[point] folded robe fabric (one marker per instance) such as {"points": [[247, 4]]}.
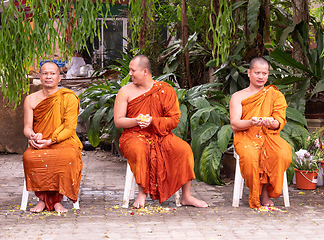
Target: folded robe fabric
{"points": [[160, 161], [264, 155], [59, 166]]}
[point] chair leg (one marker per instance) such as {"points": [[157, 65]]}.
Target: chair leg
{"points": [[177, 198], [24, 198], [285, 191], [238, 183], [128, 186], [241, 183], [132, 194], [76, 204]]}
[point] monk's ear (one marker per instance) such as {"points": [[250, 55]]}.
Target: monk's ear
{"points": [[248, 72], [145, 71]]}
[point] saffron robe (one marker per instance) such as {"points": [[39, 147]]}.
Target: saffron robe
{"points": [[264, 155], [57, 167], [160, 161]]}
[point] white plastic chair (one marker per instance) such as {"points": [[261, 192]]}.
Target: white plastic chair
{"points": [[25, 194], [239, 184], [129, 190]]}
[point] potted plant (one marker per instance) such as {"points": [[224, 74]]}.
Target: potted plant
{"points": [[307, 161]]}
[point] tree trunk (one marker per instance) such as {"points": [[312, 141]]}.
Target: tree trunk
{"points": [[257, 48], [184, 43], [143, 31], [300, 13], [266, 36]]}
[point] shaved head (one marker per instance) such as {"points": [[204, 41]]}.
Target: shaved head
{"points": [[143, 62], [259, 60], [50, 62]]}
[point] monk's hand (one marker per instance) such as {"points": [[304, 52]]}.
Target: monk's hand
{"points": [[144, 120], [272, 123], [40, 144], [36, 136], [267, 122], [257, 121]]}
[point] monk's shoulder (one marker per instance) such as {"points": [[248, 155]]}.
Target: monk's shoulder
{"points": [[127, 89], [69, 94], [32, 100], [166, 87], [275, 91], [240, 95], [33, 96]]}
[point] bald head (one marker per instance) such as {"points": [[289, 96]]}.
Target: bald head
{"points": [[50, 62], [143, 62], [259, 60]]}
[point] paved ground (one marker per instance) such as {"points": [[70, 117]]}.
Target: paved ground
{"points": [[101, 216]]}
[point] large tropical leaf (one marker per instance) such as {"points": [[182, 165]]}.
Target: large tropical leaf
{"points": [[210, 164], [124, 81], [296, 116], [182, 129], [319, 87], [224, 135], [285, 136], [93, 132], [110, 114], [200, 136], [104, 99], [287, 60], [194, 120], [285, 34], [180, 94], [85, 114], [199, 102], [297, 100], [288, 80]]}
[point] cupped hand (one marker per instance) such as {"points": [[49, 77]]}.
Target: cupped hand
{"points": [[267, 122], [36, 136], [144, 120], [40, 144], [256, 121]]}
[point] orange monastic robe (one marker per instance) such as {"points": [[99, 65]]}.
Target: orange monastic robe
{"points": [[160, 161], [58, 167], [264, 155]]}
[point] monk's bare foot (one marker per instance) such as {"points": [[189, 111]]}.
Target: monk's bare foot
{"points": [[39, 207], [264, 198], [140, 200], [59, 208], [267, 202], [192, 201]]}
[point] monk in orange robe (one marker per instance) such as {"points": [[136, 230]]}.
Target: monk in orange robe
{"points": [[160, 161], [258, 114], [52, 163]]}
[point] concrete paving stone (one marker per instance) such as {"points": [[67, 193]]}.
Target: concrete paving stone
{"points": [[98, 197]]}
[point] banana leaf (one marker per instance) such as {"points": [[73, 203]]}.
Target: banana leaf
{"points": [[210, 164]]}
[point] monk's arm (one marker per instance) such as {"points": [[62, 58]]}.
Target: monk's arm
{"points": [[171, 113], [34, 139], [120, 111], [28, 119], [279, 111], [237, 123], [70, 119]]}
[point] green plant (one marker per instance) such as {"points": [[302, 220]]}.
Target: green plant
{"points": [[309, 159], [98, 101], [26, 39], [311, 75], [311, 153], [205, 116]]}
